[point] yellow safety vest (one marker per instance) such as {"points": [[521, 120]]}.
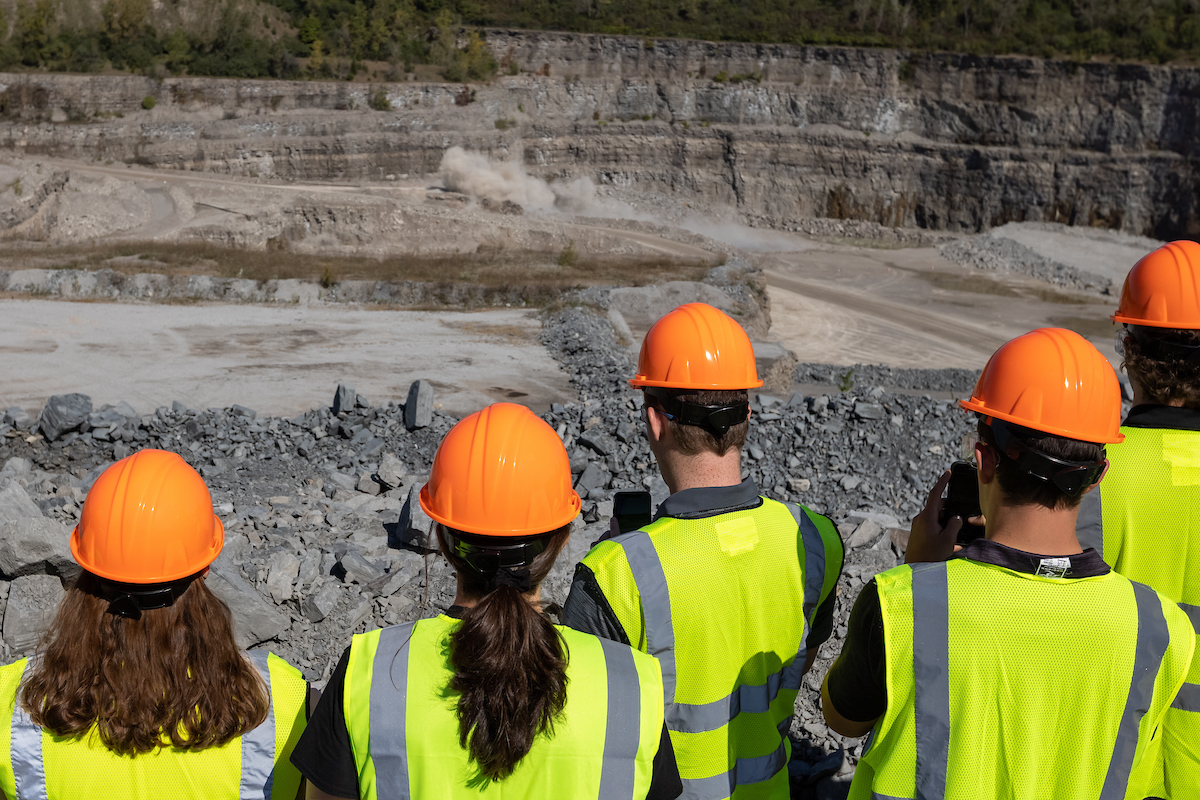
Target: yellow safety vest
{"points": [[38, 765], [725, 604], [403, 721], [1007, 685], [1145, 521]]}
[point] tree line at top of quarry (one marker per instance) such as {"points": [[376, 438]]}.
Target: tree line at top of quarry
{"points": [[402, 39]]}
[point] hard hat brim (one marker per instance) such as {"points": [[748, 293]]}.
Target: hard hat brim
{"points": [[1152, 323], [640, 383], [86, 563], [565, 518], [977, 406]]}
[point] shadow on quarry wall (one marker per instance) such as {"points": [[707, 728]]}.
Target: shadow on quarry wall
{"points": [[938, 141]]}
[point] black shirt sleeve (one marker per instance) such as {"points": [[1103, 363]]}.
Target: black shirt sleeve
{"points": [[588, 610], [857, 681], [323, 755], [665, 783], [822, 627]]}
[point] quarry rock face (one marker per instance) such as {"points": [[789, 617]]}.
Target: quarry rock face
{"points": [[780, 132]]}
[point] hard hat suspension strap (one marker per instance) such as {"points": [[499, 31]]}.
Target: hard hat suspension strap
{"points": [[131, 599], [1158, 344], [503, 561], [717, 420], [1069, 476]]}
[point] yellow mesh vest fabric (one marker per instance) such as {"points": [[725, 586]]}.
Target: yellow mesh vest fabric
{"points": [[1039, 673], [84, 768], [565, 765], [736, 584], [1151, 514]]}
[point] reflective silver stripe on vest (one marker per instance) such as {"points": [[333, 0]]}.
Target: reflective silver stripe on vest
{"points": [[258, 745], [622, 727], [878, 796], [1188, 698], [1089, 524], [26, 753], [651, 583], [931, 667], [746, 771], [389, 707], [1153, 638], [1193, 613]]}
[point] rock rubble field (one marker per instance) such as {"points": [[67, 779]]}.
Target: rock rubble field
{"points": [[324, 537]]}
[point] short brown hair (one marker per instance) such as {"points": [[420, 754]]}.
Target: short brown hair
{"points": [[173, 678], [1023, 489], [694, 440], [1164, 378]]}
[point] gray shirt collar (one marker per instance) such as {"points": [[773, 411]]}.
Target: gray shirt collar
{"points": [[709, 501]]}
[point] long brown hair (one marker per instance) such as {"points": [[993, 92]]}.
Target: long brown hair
{"points": [[173, 678], [510, 666]]}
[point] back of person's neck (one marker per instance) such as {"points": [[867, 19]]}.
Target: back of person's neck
{"points": [[1035, 529], [701, 471], [1140, 398]]}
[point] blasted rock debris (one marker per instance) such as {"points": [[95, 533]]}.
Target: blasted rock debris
{"points": [[325, 536]]}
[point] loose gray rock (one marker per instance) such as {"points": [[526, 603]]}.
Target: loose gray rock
{"points": [[18, 418], [32, 602], [865, 535], [414, 528], [869, 411], [319, 605], [418, 409], [343, 398], [64, 413], [254, 619], [358, 569], [283, 566], [16, 504], [36, 546], [593, 479], [368, 485], [391, 471]]}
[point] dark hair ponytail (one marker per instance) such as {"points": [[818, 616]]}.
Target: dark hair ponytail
{"points": [[510, 666]]}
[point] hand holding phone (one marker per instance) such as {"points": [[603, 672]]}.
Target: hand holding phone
{"points": [[962, 500]]}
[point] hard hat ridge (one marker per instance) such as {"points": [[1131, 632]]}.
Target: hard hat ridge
{"points": [[696, 346]]}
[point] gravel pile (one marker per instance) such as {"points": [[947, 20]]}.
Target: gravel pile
{"points": [[998, 253], [325, 539], [960, 381]]}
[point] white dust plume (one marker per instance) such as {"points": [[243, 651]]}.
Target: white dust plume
{"points": [[480, 177]]}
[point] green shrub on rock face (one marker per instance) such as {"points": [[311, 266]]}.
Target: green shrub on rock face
{"points": [[148, 102]]}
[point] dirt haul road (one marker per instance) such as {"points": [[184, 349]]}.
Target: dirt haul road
{"points": [[281, 361]]}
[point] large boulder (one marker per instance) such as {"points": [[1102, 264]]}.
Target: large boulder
{"points": [[418, 409], [16, 504], [64, 413], [254, 619], [32, 601], [36, 545]]}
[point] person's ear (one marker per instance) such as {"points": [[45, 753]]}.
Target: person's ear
{"points": [[1103, 472], [656, 423], [985, 457]]}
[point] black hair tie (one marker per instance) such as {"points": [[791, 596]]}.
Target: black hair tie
{"points": [[506, 576]]}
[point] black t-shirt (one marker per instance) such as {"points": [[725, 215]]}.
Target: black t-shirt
{"points": [[324, 756], [857, 681]]}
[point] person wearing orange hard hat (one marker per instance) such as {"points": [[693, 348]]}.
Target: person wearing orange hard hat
{"points": [[490, 699], [140, 690], [731, 591], [1145, 519], [1020, 666]]}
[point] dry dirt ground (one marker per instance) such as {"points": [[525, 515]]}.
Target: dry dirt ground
{"points": [[281, 361]]}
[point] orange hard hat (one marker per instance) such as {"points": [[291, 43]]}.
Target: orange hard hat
{"points": [[1055, 381], [697, 346], [1163, 289], [501, 471], [148, 519]]}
